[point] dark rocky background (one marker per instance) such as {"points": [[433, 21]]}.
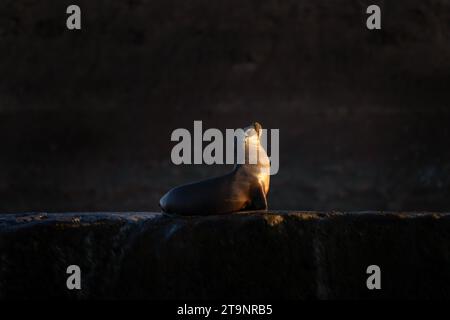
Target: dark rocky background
{"points": [[86, 116]]}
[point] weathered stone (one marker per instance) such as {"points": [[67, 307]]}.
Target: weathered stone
{"points": [[298, 255]]}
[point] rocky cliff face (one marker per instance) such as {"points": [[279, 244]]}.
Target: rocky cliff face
{"points": [[86, 117], [299, 255]]}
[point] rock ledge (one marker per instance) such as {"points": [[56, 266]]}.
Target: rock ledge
{"points": [[251, 255]]}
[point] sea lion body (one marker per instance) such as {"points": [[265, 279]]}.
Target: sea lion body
{"points": [[244, 188]]}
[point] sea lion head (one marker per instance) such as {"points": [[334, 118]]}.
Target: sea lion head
{"points": [[253, 132], [252, 143]]}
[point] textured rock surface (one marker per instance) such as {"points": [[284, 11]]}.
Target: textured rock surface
{"points": [[247, 255]]}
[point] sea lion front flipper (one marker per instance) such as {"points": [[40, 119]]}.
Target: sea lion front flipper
{"points": [[259, 200]]}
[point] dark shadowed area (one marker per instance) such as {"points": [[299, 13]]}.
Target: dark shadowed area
{"points": [[249, 256], [86, 116]]}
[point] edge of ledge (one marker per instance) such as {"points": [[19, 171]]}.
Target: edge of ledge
{"points": [[18, 220]]}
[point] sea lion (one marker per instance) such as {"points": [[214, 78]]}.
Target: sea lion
{"points": [[244, 188]]}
